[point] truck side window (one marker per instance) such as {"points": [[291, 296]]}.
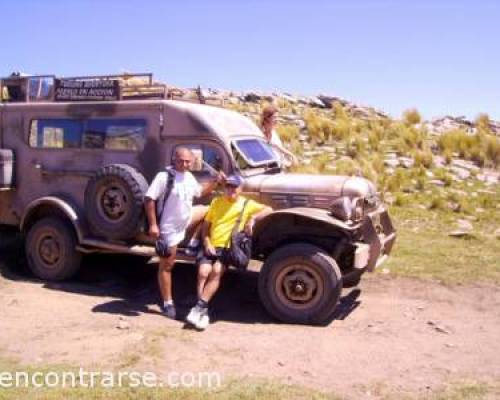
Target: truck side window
{"points": [[115, 134], [56, 133], [209, 154]]}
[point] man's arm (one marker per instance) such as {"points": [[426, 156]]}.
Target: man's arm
{"points": [[209, 187], [287, 152], [150, 209], [256, 218], [205, 237]]}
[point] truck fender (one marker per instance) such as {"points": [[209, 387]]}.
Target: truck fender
{"points": [[59, 206], [315, 214], [280, 224]]}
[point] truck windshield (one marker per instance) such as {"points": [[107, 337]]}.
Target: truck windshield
{"points": [[251, 153]]}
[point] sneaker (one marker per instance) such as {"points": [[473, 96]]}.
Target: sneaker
{"points": [[204, 320], [169, 311], [194, 315]]}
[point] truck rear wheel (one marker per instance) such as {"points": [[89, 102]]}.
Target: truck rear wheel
{"points": [[300, 283], [51, 249]]}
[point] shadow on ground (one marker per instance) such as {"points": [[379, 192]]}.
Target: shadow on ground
{"points": [[131, 282]]}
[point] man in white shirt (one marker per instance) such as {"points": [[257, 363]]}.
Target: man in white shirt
{"points": [[176, 214]]}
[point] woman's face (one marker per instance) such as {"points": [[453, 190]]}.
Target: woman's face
{"points": [[269, 122]]}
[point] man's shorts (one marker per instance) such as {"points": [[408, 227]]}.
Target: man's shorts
{"points": [[210, 259]]}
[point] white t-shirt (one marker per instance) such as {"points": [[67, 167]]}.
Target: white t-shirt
{"points": [[177, 212]]}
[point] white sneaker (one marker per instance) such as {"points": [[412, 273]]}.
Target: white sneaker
{"points": [[204, 320], [194, 316]]}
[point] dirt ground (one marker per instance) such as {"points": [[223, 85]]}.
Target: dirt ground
{"points": [[406, 335]]}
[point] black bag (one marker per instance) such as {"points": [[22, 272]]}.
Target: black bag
{"points": [[239, 252], [161, 245]]}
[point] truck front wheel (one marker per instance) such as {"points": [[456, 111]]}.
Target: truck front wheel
{"points": [[51, 249], [300, 283]]}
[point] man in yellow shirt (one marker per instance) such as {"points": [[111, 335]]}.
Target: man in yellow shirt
{"points": [[219, 223]]}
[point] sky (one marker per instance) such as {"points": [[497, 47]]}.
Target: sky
{"points": [[440, 57]]}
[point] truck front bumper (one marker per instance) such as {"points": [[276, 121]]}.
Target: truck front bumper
{"points": [[378, 236]]}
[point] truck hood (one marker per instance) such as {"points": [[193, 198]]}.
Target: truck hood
{"points": [[308, 190]]}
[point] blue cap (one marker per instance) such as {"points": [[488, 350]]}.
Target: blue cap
{"points": [[234, 180]]}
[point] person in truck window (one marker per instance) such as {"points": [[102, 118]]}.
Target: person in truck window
{"points": [[177, 213], [268, 122], [219, 223]]}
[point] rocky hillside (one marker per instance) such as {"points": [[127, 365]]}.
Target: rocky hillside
{"points": [[447, 163]]}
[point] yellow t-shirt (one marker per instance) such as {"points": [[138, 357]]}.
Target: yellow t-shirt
{"points": [[223, 214]]}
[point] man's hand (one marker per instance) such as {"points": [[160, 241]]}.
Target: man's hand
{"points": [[256, 218], [221, 177], [209, 249], [249, 226], [292, 159], [154, 231]]}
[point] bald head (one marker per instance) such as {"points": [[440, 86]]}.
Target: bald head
{"points": [[183, 159]]}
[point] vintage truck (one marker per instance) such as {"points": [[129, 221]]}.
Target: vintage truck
{"points": [[76, 156]]}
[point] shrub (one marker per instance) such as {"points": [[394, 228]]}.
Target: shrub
{"points": [[487, 201], [398, 182], [283, 104], [407, 138], [341, 129], [411, 117], [374, 140], [321, 162], [313, 126], [483, 123], [437, 203], [378, 163], [296, 147], [367, 170], [423, 158], [481, 147], [355, 148], [338, 111], [443, 175], [346, 167], [288, 132], [492, 150], [400, 200]]}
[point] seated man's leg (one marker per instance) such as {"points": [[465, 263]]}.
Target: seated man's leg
{"points": [[165, 281], [209, 276], [202, 319], [197, 215], [193, 230], [213, 281], [204, 271]]}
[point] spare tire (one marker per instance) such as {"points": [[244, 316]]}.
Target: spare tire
{"points": [[114, 201]]}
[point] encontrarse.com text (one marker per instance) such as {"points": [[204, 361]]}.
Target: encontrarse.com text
{"points": [[108, 379]]}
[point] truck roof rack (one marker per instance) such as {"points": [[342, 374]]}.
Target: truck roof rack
{"points": [[20, 88]]}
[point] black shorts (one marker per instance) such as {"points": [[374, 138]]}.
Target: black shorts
{"points": [[209, 259]]}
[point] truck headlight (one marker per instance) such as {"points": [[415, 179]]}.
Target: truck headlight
{"points": [[347, 209]]}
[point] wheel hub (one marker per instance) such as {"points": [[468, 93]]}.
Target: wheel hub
{"points": [[113, 203], [50, 250], [299, 286]]}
